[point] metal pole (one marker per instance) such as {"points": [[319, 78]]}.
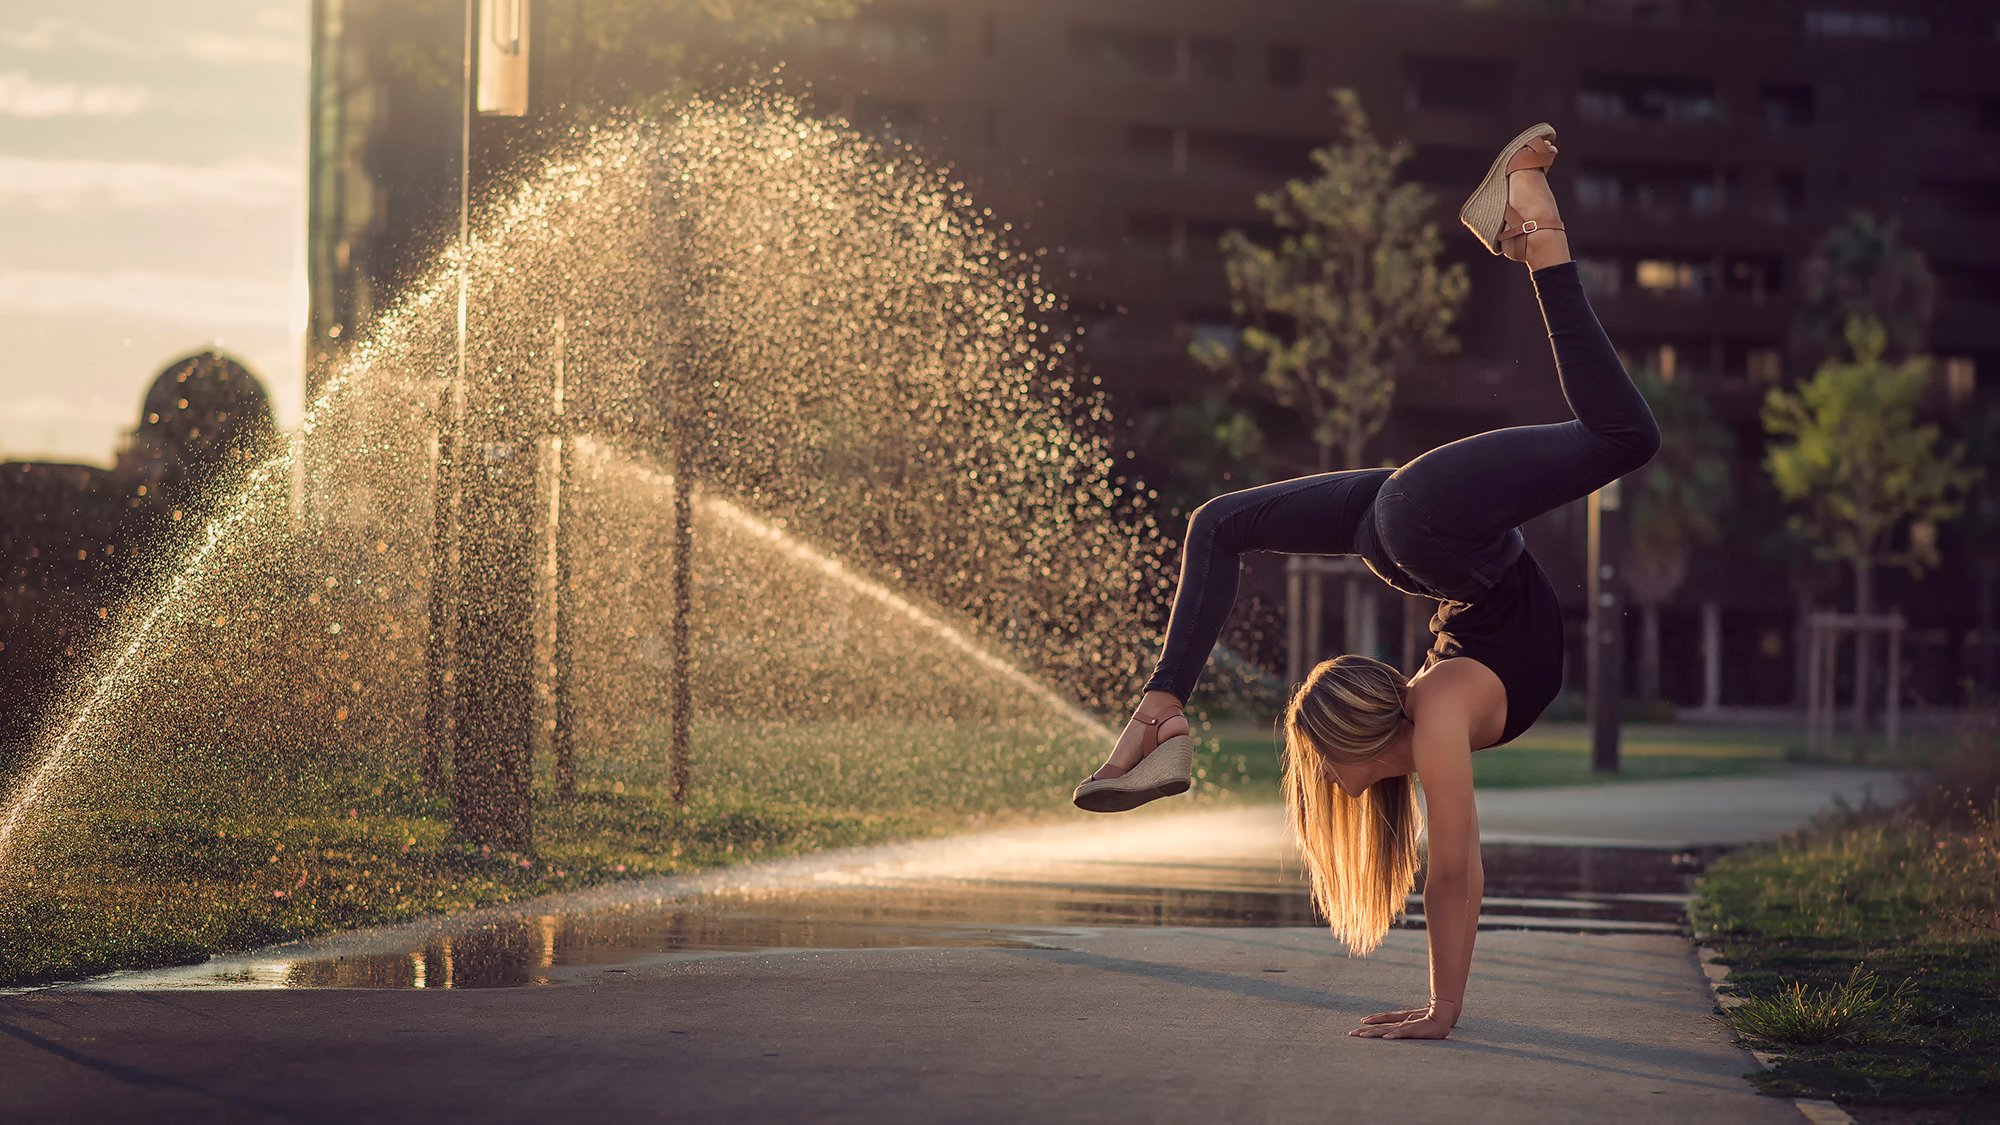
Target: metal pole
{"points": [[678, 682], [1893, 714], [1295, 621], [440, 642], [1605, 618], [1813, 642], [562, 737]]}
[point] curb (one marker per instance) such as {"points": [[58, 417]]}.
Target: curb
{"points": [[1819, 1111]]}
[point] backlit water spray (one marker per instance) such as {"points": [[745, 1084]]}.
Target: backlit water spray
{"points": [[913, 575]]}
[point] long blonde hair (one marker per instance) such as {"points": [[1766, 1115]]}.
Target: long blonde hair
{"points": [[1360, 851]]}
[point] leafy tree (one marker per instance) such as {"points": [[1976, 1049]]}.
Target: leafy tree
{"points": [[1862, 267], [1678, 501], [1853, 458], [1351, 293]]}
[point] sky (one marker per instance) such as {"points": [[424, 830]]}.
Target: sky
{"points": [[152, 204]]}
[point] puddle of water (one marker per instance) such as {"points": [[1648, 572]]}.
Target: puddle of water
{"points": [[1027, 905]]}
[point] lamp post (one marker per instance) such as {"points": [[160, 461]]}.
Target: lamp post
{"points": [[482, 692], [1605, 629]]}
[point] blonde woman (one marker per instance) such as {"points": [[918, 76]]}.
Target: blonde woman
{"points": [[1446, 527]]}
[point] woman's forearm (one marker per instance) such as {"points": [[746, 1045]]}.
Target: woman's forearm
{"points": [[1451, 918]]}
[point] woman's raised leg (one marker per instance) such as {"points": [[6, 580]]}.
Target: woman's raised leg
{"points": [[1313, 515], [1489, 483]]}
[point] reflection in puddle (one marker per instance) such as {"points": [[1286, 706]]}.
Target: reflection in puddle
{"points": [[1527, 886]]}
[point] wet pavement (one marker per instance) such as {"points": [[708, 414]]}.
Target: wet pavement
{"points": [[1168, 865], [1161, 965]]}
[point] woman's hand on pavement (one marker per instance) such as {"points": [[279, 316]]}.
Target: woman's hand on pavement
{"points": [[1425, 1026], [1397, 1016]]}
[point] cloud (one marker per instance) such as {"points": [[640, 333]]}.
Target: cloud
{"points": [[50, 35], [56, 185], [209, 303], [24, 96]]}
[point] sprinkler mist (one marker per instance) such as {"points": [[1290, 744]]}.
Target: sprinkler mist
{"points": [[739, 375]]}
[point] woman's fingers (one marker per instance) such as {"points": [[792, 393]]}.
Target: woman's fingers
{"points": [[1397, 1016]]}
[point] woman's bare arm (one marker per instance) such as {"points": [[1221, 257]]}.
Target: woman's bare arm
{"points": [[1454, 881]]}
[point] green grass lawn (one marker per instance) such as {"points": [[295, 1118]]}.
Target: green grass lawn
{"points": [[1244, 758], [163, 858], [1869, 948]]}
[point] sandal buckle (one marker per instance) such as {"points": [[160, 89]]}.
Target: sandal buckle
{"points": [[1530, 226]]}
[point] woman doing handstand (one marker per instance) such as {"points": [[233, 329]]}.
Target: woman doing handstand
{"points": [[1446, 526]]}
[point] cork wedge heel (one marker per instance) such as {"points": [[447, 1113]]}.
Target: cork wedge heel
{"points": [[1486, 212], [1166, 771]]}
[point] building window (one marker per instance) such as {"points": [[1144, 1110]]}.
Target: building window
{"points": [[1968, 199], [1211, 60], [1153, 144], [1787, 107], [890, 33], [1155, 235], [1756, 276], [1666, 191], [1455, 84], [1765, 366], [1835, 24], [1603, 276], [1788, 196], [1122, 53], [1960, 378], [1260, 155], [1634, 97], [1213, 333], [1672, 277], [895, 118], [1285, 65]]}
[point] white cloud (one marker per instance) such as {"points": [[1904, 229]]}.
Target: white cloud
{"points": [[211, 303], [50, 35], [70, 185], [22, 95]]}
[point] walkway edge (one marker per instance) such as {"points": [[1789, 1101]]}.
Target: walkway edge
{"points": [[1819, 1111]]}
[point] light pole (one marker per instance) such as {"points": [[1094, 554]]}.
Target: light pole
{"points": [[1605, 629], [484, 697]]}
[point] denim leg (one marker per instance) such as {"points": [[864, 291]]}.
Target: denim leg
{"points": [[1313, 515]]}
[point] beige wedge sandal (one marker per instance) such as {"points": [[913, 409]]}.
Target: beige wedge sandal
{"points": [[1486, 213], [1166, 770]]}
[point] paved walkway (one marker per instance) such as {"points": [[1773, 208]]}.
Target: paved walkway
{"points": [[1072, 1024]]}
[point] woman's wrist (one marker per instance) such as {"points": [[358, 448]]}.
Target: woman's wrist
{"points": [[1446, 1010]]}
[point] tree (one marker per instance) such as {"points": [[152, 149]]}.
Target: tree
{"points": [[1351, 293], [1678, 501], [1862, 267], [1854, 460]]}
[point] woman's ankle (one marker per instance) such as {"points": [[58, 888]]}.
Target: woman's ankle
{"points": [[1157, 704], [1545, 248]]}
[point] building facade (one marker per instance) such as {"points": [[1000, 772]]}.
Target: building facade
{"points": [[1706, 146]]}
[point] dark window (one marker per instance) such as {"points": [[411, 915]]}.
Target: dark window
{"points": [[1968, 283], [1664, 189], [1836, 24], [1123, 53], [1153, 234], [1252, 154], [899, 118], [1153, 144], [1446, 164], [1787, 107], [891, 33], [1788, 195], [1447, 83], [1968, 112], [1969, 199], [1211, 60], [1634, 97], [1285, 65], [1756, 276]]}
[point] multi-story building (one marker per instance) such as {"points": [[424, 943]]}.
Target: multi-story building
{"points": [[1705, 146]]}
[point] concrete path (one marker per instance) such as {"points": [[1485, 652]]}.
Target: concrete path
{"points": [[1066, 1023]]}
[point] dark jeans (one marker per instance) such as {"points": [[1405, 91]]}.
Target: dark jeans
{"points": [[1449, 520]]}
